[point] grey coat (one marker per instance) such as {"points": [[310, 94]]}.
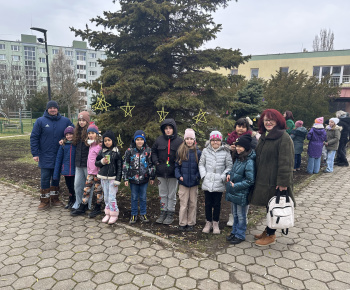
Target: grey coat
{"points": [[333, 137], [213, 167]]}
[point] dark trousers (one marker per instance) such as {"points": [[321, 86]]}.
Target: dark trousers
{"points": [[70, 184], [270, 231], [297, 161], [341, 153], [212, 201]]}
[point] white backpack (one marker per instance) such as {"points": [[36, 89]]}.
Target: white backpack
{"points": [[280, 212]]}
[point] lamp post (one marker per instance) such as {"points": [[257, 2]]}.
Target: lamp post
{"points": [[47, 58]]}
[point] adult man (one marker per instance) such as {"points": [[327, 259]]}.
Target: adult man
{"points": [[344, 122], [48, 130]]}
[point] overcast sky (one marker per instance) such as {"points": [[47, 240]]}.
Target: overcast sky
{"points": [[254, 26]]}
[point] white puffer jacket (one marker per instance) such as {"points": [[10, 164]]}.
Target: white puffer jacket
{"points": [[213, 167]]}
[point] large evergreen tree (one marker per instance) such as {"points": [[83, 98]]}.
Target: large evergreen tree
{"points": [[155, 59]]}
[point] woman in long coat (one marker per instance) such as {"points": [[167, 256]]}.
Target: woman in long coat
{"points": [[274, 164]]}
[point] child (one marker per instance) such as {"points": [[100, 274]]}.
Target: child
{"points": [[187, 173], [317, 135], [163, 157], [332, 143], [65, 164], [137, 170], [110, 162], [298, 136], [215, 162], [81, 155], [92, 181], [239, 181]]}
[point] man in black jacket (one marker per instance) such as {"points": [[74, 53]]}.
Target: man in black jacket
{"points": [[344, 122]]}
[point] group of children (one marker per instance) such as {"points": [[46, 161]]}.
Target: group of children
{"points": [[93, 166]]}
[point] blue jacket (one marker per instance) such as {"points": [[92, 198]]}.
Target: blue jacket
{"points": [[242, 175], [189, 170], [47, 132], [65, 161], [298, 136]]}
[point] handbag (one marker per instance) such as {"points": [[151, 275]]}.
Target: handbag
{"points": [[280, 212]]}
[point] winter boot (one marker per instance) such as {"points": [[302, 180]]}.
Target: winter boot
{"points": [[169, 218], [71, 201], [80, 210], [114, 217], [207, 228], [44, 199], [162, 217], [266, 241], [216, 229], [260, 236], [54, 196], [230, 220], [96, 211], [107, 216]]}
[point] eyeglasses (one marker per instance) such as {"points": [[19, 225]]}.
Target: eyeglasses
{"points": [[269, 121]]}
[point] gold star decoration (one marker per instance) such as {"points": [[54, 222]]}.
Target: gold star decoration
{"points": [[127, 109], [162, 114], [101, 103], [120, 142], [200, 117]]}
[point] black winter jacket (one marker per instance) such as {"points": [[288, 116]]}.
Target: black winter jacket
{"points": [[188, 170], [113, 170], [345, 124], [81, 154], [160, 151]]}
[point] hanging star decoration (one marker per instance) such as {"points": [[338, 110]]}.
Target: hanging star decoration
{"points": [[120, 142], [200, 117], [162, 114], [101, 103], [127, 109]]}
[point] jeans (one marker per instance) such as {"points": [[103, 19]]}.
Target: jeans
{"points": [[313, 165], [240, 221], [46, 178], [167, 193], [212, 201], [138, 192], [110, 194], [297, 161], [330, 160], [79, 184]]}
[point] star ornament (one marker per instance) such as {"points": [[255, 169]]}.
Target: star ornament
{"points": [[162, 115], [127, 109], [120, 142], [101, 103], [200, 117]]}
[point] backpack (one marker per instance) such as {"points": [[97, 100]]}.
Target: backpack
{"points": [[280, 212]]}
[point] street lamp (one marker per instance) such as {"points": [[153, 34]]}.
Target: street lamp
{"points": [[47, 57]]}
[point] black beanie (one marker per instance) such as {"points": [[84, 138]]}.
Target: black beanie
{"points": [[110, 135], [52, 104], [244, 141]]}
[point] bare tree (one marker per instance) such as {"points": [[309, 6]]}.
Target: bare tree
{"points": [[13, 89], [64, 82], [324, 41]]}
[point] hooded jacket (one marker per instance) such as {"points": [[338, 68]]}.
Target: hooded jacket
{"points": [[65, 161], [317, 135], [333, 137], [47, 132], [298, 136], [344, 122], [188, 169], [213, 166], [164, 151]]}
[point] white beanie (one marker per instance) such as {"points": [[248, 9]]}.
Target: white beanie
{"points": [[335, 120], [215, 135]]}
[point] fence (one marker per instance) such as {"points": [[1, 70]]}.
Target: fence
{"points": [[16, 121]]}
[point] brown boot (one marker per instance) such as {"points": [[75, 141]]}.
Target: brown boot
{"points": [[260, 236], [44, 199], [266, 241], [54, 196]]}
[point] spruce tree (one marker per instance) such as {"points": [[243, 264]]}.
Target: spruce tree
{"points": [[155, 59]]}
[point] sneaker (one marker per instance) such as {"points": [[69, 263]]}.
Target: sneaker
{"points": [[266, 241], [190, 228], [182, 228], [133, 219], [144, 218], [236, 241], [230, 237]]}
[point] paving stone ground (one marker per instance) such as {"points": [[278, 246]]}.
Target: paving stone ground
{"points": [[52, 250]]}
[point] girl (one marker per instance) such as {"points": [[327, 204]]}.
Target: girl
{"points": [[288, 115], [138, 170], [317, 135], [239, 181], [65, 164], [81, 154], [332, 143], [215, 162], [187, 173], [92, 181], [298, 136], [109, 161]]}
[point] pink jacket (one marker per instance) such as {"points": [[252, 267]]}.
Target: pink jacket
{"points": [[93, 152]]}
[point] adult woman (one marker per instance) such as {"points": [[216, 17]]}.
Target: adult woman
{"points": [[288, 115], [332, 143], [274, 164]]}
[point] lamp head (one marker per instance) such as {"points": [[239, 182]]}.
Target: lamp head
{"points": [[39, 29]]}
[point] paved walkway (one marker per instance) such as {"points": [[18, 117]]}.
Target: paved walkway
{"points": [[51, 250]]}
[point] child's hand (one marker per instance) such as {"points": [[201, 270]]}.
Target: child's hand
{"points": [[151, 182], [232, 147], [181, 178], [232, 184], [105, 160], [126, 183], [228, 178], [60, 142]]}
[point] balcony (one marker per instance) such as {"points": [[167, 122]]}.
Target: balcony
{"points": [[344, 81]]}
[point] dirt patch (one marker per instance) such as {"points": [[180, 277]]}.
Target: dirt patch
{"points": [[29, 175]]}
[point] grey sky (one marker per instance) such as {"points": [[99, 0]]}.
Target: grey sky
{"points": [[254, 26]]}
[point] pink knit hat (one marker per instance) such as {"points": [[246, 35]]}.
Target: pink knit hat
{"points": [[84, 115], [319, 120], [189, 133], [299, 123]]}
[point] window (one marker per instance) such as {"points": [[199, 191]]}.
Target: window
{"points": [[2, 57], [92, 55], [81, 76], [54, 51], [284, 69], [81, 55], [316, 71], [81, 67], [43, 79], [68, 53], [82, 94], [254, 73], [93, 73], [29, 53], [16, 67], [326, 70], [92, 64], [2, 46], [42, 50], [15, 47], [234, 72], [103, 56], [17, 77], [43, 69], [42, 59], [2, 66], [70, 62], [16, 58]]}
